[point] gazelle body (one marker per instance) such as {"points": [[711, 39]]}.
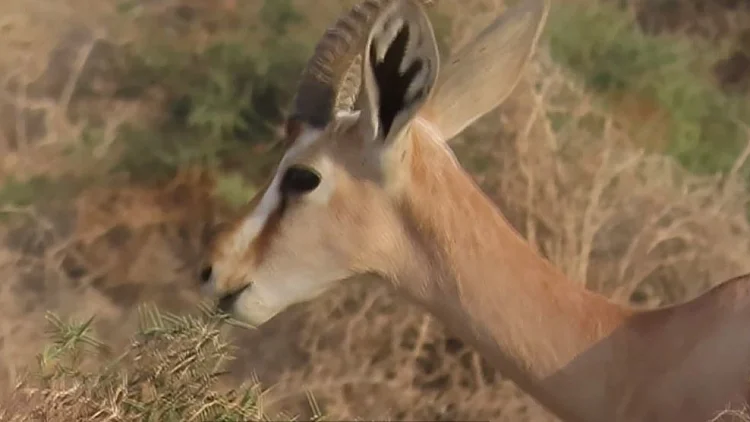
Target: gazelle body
{"points": [[369, 186]]}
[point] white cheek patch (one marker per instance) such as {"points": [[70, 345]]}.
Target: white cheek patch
{"points": [[254, 223], [274, 292]]}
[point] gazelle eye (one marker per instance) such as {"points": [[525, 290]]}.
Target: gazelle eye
{"points": [[299, 180]]}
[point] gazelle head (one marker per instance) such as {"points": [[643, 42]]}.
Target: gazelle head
{"points": [[332, 209]]}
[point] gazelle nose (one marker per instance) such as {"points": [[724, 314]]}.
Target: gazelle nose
{"points": [[205, 275]]}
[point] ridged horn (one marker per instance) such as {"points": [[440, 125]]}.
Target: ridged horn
{"points": [[331, 78]]}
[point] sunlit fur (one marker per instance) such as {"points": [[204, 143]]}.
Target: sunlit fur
{"points": [[343, 228], [289, 250]]}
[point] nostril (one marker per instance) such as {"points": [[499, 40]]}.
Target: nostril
{"points": [[206, 274]]}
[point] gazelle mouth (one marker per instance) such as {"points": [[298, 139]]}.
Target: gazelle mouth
{"points": [[226, 302]]}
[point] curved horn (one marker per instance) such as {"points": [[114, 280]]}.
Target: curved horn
{"points": [[331, 78]]}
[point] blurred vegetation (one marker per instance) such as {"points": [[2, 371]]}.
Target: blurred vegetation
{"points": [[225, 86], [605, 46], [223, 95]]}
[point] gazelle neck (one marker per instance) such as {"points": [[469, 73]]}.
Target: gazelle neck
{"points": [[475, 273]]}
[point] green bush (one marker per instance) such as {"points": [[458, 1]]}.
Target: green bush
{"points": [[603, 44], [222, 96]]}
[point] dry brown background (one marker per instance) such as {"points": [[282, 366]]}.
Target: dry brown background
{"points": [[631, 224]]}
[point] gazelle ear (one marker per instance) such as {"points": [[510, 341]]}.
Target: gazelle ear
{"points": [[399, 70]]}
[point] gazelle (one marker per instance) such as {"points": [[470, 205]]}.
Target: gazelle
{"points": [[369, 186]]}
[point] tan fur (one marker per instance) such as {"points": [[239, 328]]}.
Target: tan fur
{"points": [[405, 211]]}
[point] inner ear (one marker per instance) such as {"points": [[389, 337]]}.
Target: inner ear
{"points": [[401, 63], [392, 83]]}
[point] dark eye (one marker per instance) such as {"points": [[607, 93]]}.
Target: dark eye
{"points": [[298, 180]]}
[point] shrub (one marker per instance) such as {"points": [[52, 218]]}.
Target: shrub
{"points": [[224, 91], [604, 44], [168, 373]]}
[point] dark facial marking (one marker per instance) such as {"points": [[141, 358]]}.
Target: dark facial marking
{"points": [[292, 130], [263, 241]]}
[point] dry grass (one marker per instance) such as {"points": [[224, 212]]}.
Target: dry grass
{"points": [[632, 225], [166, 373], [742, 415]]}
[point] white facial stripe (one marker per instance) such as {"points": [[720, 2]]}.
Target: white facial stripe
{"points": [[271, 198], [433, 134]]}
